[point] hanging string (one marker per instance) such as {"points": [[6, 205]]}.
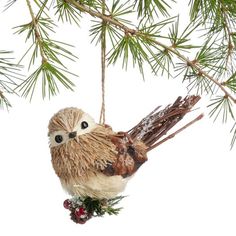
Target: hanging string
{"points": [[103, 66]]}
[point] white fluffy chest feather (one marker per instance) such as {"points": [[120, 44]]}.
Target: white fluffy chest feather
{"points": [[97, 186]]}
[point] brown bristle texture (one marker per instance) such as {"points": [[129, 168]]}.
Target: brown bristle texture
{"points": [[150, 129]]}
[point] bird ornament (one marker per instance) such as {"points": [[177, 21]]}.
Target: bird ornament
{"points": [[94, 163]]}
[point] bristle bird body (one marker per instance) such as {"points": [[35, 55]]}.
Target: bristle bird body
{"points": [[93, 160]]}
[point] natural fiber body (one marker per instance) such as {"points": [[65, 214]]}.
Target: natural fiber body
{"points": [[92, 160], [77, 163]]}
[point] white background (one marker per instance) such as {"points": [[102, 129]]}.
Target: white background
{"points": [[187, 188]]}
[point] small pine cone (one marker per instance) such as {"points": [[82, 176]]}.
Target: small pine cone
{"points": [[73, 217]]}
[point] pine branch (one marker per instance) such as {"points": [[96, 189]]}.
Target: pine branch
{"points": [[218, 17], [52, 71], [9, 77], [228, 33], [133, 32], [142, 44], [38, 38]]}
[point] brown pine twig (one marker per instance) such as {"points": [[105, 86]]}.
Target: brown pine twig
{"points": [[228, 33], [36, 32]]}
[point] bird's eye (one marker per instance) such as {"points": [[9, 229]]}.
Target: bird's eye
{"points": [[58, 138], [84, 125]]}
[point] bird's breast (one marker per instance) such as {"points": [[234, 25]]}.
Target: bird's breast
{"points": [[96, 186]]}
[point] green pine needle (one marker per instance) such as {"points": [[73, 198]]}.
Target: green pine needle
{"points": [[96, 31], [221, 105], [233, 141], [129, 45], [162, 62], [4, 102], [98, 207], [55, 49], [9, 4], [119, 10], [151, 8], [179, 41], [208, 57], [154, 29], [52, 71], [197, 83], [231, 83], [67, 13], [50, 75], [10, 76]]}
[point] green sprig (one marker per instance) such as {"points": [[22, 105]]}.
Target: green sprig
{"points": [[231, 82], [67, 13], [10, 76], [52, 69], [233, 140], [129, 45], [50, 76], [98, 207], [179, 41], [119, 10], [222, 105], [151, 8]]}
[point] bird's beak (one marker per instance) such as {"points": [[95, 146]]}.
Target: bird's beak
{"points": [[72, 134]]}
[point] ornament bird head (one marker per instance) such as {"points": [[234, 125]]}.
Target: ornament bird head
{"points": [[68, 124]]}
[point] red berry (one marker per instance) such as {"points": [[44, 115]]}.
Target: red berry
{"points": [[67, 204], [79, 212], [82, 211]]}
